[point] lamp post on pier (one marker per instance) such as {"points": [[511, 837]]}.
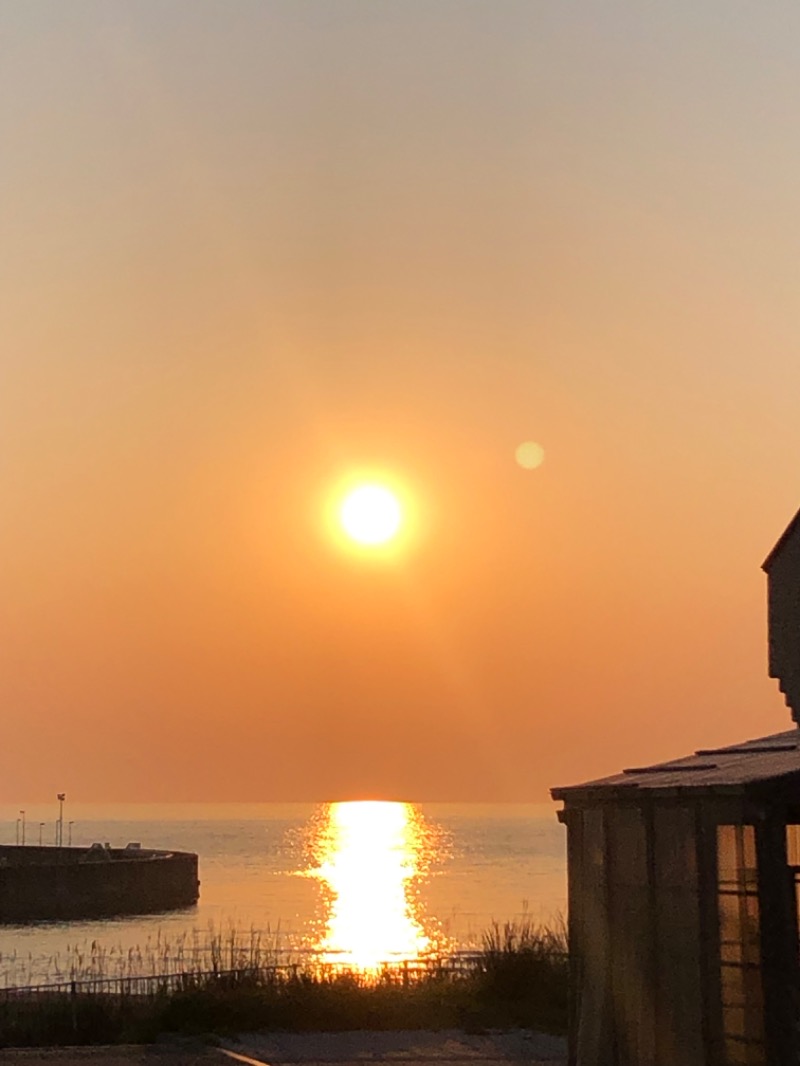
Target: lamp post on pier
{"points": [[61, 797], [22, 822]]}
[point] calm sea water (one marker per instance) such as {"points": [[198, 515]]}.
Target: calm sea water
{"points": [[353, 882]]}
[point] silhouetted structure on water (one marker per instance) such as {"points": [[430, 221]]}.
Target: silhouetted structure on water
{"points": [[684, 879], [97, 882]]}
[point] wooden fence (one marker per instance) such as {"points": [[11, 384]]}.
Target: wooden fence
{"points": [[405, 972]]}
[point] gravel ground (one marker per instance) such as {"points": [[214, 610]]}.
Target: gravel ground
{"points": [[409, 1048], [147, 1055], [405, 1048]]}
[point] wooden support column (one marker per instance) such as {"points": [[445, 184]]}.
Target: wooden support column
{"points": [[779, 962]]}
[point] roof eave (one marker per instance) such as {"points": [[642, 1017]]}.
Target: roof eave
{"points": [[581, 795]]}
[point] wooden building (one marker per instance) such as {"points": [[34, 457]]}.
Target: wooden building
{"points": [[782, 567], [684, 880]]}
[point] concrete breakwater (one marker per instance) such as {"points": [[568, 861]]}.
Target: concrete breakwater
{"points": [[60, 883]]}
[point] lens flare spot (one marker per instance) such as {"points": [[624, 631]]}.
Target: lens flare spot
{"points": [[529, 455]]}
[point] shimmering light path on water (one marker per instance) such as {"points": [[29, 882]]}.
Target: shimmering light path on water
{"points": [[343, 879], [372, 856]]}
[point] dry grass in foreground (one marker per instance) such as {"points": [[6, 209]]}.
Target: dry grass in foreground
{"points": [[518, 979]]}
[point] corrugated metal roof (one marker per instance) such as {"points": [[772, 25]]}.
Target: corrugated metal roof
{"points": [[734, 766]]}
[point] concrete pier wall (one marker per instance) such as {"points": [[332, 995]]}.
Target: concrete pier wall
{"points": [[61, 883]]}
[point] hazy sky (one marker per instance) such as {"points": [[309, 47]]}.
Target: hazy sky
{"points": [[248, 247]]}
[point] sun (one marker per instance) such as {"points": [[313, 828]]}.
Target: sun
{"points": [[371, 515]]}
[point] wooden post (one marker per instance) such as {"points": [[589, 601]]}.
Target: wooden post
{"points": [[779, 963]]}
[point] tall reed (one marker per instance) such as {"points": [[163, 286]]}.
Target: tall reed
{"points": [[231, 982]]}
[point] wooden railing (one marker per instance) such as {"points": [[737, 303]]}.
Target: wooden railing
{"points": [[406, 971]]}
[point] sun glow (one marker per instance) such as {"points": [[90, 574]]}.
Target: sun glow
{"points": [[371, 514]]}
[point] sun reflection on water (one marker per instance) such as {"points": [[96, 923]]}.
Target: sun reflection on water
{"points": [[371, 856]]}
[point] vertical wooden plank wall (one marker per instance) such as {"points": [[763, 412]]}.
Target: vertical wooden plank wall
{"points": [[779, 962], [575, 923], [630, 933], [679, 996], [593, 1041]]}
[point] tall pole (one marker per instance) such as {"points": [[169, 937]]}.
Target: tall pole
{"points": [[61, 797], [22, 813], [17, 830], [41, 827], [69, 832]]}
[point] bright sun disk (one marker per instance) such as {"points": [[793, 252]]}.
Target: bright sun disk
{"points": [[370, 514]]}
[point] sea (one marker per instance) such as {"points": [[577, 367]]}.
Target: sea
{"points": [[359, 883]]}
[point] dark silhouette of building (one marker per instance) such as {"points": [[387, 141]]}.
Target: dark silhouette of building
{"points": [[782, 567], [684, 879]]}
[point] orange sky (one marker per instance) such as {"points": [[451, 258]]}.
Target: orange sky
{"points": [[248, 248]]}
